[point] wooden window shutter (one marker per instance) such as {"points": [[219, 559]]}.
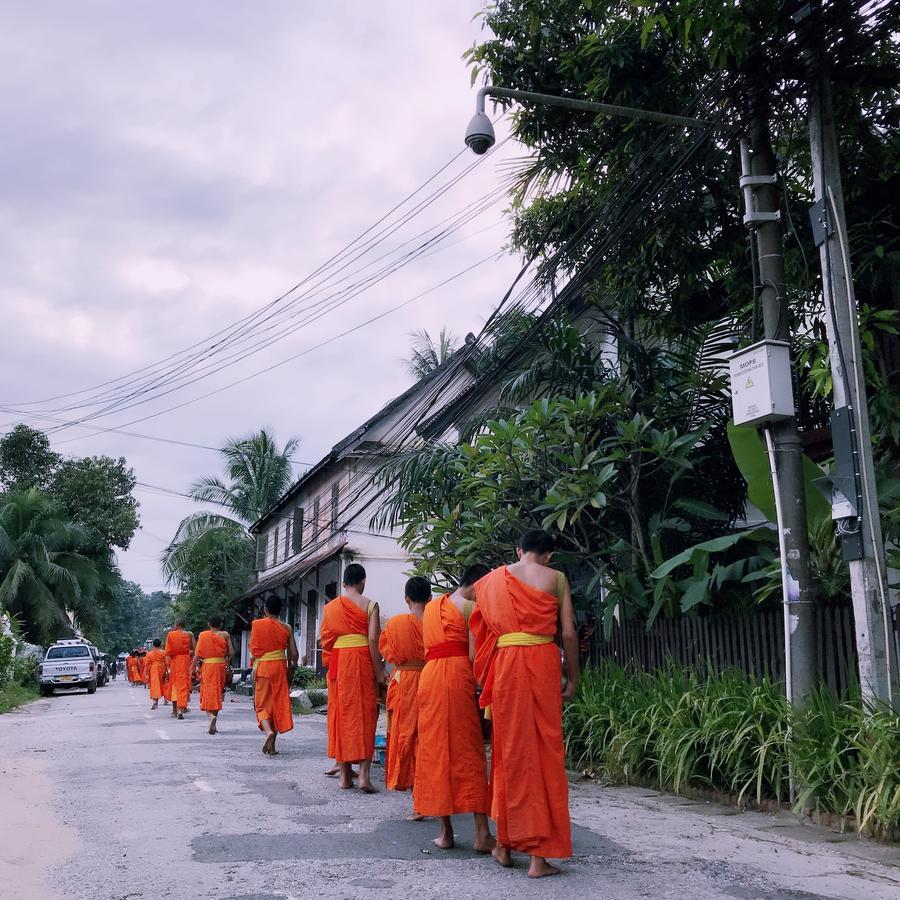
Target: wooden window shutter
{"points": [[287, 538], [261, 552], [316, 525], [275, 546], [298, 529], [335, 498]]}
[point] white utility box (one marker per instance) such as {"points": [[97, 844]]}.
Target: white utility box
{"points": [[761, 389]]}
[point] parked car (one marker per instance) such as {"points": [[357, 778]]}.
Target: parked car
{"points": [[102, 666], [68, 664]]}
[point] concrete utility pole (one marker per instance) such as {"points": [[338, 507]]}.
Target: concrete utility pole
{"points": [[875, 645], [801, 673]]}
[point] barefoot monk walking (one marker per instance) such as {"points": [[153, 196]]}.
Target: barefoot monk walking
{"points": [[520, 610]]}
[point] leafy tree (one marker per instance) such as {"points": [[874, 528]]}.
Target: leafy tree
{"points": [[49, 571], [212, 577], [132, 616], [258, 475], [96, 492], [427, 354], [26, 460]]}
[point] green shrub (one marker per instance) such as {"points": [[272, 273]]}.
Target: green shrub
{"points": [[304, 677], [6, 660], [25, 670], [317, 698], [736, 735]]}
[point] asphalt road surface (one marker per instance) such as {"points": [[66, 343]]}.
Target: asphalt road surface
{"points": [[101, 798]]}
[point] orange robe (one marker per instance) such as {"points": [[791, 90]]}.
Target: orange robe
{"points": [[522, 685], [352, 703], [401, 645], [451, 766], [129, 668], [178, 649], [211, 645], [156, 672], [142, 669], [271, 692]]}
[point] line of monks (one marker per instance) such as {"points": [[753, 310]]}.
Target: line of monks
{"points": [[484, 658], [169, 674]]}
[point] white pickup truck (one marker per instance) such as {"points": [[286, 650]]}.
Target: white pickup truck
{"points": [[68, 664]]}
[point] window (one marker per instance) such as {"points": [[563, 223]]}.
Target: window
{"points": [[275, 546], [287, 538], [298, 529], [261, 540], [316, 525], [68, 652], [335, 496]]}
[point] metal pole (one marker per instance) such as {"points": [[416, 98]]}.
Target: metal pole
{"points": [[627, 112], [872, 614], [800, 656]]}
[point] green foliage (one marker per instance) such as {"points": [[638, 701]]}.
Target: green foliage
{"points": [[428, 354], [14, 695], [736, 735], [26, 460], [96, 492], [7, 649], [306, 678], [212, 575], [317, 698], [49, 569], [132, 617], [259, 474], [25, 671]]}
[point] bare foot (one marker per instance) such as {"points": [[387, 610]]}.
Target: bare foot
{"points": [[540, 868], [268, 746], [485, 845], [368, 789], [443, 843], [416, 817], [333, 773], [180, 715], [212, 726], [503, 856]]}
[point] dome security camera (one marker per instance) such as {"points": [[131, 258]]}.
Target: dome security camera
{"points": [[480, 134]]}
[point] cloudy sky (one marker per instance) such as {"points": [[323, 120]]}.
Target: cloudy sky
{"points": [[170, 168]]}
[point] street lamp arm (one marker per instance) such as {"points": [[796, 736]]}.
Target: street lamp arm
{"points": [[609, 109]]}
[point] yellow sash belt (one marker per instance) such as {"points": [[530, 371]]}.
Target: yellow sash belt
{"points": [[271, 656], [351, 640], [214, 659], [523, 639]]}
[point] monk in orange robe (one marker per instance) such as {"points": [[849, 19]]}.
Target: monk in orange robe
{"points": [[143, 675], [179, 650], [451, 765], [212, 656], [520, 610], [156, 672], [401, 645], [129, 668], [274, 654], [350, 632]]}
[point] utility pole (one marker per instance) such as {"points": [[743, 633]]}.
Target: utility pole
{"points": [[858, 520], [783, 438]]}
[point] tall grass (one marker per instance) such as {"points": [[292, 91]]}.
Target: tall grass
{"points": [[736, 735]]}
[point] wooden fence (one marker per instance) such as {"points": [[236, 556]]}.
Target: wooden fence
{"points": [[753, 643]]}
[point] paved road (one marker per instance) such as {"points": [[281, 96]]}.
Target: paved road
{"points": [[103, 799]]}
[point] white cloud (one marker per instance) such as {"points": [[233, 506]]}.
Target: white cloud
{"points": [[168, 168]]}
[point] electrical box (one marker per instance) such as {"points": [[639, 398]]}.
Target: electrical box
{"points": [[761, 389]]}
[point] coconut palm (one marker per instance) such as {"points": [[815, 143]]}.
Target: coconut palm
{"points": [[50, 579], [258, 473], [428, 354]]}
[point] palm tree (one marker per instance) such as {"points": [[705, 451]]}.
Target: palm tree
{"points": [[428, 355], [50, 579], [258, 475]]}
